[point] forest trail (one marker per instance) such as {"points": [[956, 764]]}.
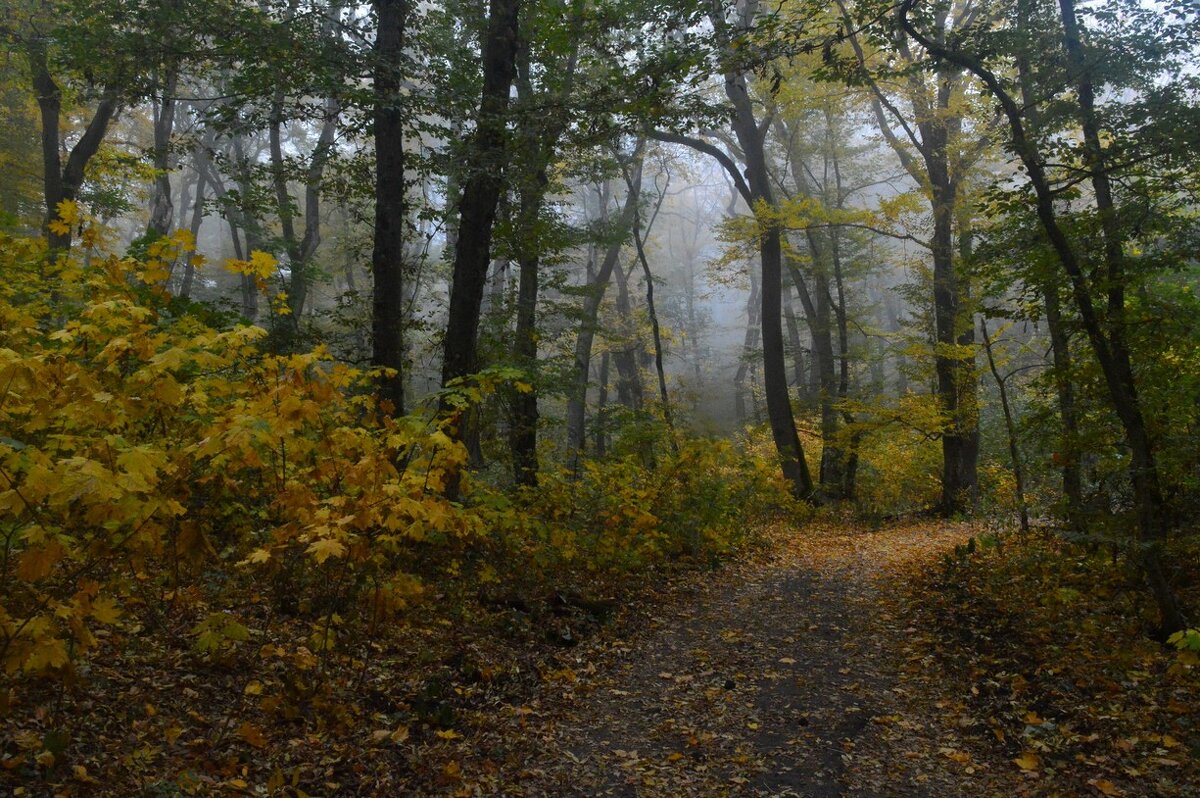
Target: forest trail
{"points": [[779, 677]]}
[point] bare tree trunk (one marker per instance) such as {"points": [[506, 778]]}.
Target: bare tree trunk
{"points": [[387, 254], [161, 209], [625, 356], [577, 400], [657, 334], [1010, 427], [189, 269], [775, 383], [481, 192], [749, 352]]}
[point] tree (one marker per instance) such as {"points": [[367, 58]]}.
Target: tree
{"points": [[1105, 273], [387, 254], [947, 149]]}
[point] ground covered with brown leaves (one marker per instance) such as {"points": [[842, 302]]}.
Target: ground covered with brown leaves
{"points": [[835, 660]]}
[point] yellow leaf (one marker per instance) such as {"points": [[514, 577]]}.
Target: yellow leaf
{"points": [[257, 556], [448, 734], [38, 562], [252, 735], [253, 688], [262, 264], [1028, 761], [49, 652], [105, 610], [1106, 787], [68, 211], [323, 549]]}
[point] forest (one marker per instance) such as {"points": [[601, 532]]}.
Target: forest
{"points": [[600, 397]]}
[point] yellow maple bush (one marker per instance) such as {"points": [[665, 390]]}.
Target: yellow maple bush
{"points": [[141, 452]]}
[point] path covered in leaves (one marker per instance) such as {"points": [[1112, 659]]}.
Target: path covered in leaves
{"points": [[781, 677]]}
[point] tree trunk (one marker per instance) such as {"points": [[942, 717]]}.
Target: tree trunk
{"points": [[577, 400], [387, 254], [481, 193], [60, 181], [750, 352], [161, 209], [189, 270], [600, 432], [630, 392], [524, 416], [664, 398], [1010, 428], [775, 383]]}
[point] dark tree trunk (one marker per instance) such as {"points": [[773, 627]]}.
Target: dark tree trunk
{"points": [[387, 255], [197, 209], [481, 193], [61, 181], [524, 417], [663, 396], [630, 392], [775, 383], [601, 427], [797, 346], [1010, 428], [750, 352], [1060, 345]]}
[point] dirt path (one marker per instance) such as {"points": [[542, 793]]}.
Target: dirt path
{"points": [[775, 679]]}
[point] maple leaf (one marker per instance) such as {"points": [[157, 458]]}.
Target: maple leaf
{"points": [[323, 549], [105, 610], [48, 652]]}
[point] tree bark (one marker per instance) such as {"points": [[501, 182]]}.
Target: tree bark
{"points": [[61, 181], [161, 208], [387, 254], [481, 193], [1010, 428], [775, 383]]}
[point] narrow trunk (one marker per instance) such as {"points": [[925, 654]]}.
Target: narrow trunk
{"points": [[1060, 345], [161, 209], [387, 254], [524, 416], [750, 352], [1010, 428], [630, 392], [775, 383], [61, 181], [600, 424], [189, 270], [577, 400], [657, 334]]}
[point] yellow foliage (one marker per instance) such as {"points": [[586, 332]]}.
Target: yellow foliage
{"points": [[131, 437]]}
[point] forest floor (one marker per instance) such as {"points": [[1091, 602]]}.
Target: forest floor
{"points": [[831, 660], [803, 672]]}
